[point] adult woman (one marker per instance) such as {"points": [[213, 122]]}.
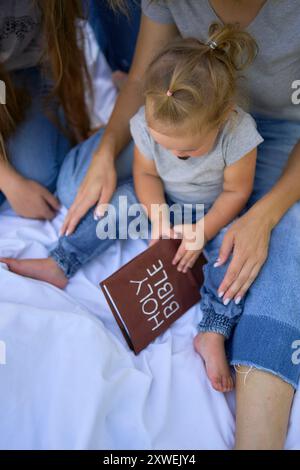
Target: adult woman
{"points": [[264, 401], [46, 96]]}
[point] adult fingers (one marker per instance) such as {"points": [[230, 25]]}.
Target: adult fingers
{"points": [[251, 278], [242, 279], [105, 197], [51, 200], [226, 248], [73, 217], [232, 273]]}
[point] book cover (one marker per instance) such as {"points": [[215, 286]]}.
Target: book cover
{"points": [[148, 294]]}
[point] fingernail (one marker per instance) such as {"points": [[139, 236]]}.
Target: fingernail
{"points": [[96, 217], [67, 233], [226, 301], [237, 301], [217, 263], [220, 294]]}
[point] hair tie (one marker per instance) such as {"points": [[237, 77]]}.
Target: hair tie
{"points": [[212, 44], [169, 93]]}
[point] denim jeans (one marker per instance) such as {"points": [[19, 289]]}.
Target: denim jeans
{"points": [[37, 148], [71, 252], [116, 33], [267, 333]]}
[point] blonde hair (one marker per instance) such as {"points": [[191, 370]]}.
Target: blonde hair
{"points": [[196, 83]]}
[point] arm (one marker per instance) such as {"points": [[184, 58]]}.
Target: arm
{"points": [[100, 181], [28, 198], [237, 187], [249, 237], [150, 191], [147, 183]]}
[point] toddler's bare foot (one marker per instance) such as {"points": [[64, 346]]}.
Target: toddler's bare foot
{"points": [[211, 348], [41, 269]]}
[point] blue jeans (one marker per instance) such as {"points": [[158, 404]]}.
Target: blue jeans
{"points": [[77, 249], [73, 251], [37, 148], [270, 325], [116, 33], [266, 332]]}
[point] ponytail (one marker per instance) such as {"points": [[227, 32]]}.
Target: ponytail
{"points": [[197, 81], [236, 48]]}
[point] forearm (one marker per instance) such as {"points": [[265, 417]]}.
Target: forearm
{"points": [[284, 194], [150, 192], [117, 133], [7, 172], [228, 205]]}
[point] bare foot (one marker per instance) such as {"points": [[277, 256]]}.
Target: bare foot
{"points": [[210, 346], [41, 269]]}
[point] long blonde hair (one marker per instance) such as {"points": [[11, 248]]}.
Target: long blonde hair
{"points": [[65, 64], [195, 82]]}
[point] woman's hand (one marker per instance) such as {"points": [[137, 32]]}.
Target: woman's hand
{"points": [[248, 239], [97, 189], [30, 199], [193, 242]]}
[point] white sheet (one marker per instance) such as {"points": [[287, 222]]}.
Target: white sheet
{"points": [[70, 381]]}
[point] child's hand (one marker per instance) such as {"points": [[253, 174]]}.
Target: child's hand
{"points": [[193, 242], [161, 229]]}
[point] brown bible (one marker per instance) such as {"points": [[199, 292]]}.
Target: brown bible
{"points": [[148, 294]]}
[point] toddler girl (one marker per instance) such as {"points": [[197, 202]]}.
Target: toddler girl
{"points": [[193, 145]]}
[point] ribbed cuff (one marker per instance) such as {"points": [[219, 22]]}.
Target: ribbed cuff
{"points": [[68, 262], [213, 322]]}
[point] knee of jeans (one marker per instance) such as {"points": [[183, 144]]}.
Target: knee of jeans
{"points": [[66, 191], [75, 167]]}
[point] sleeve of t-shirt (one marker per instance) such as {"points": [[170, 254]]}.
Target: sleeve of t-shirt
{"points": [[141, 136], [157, 11], [241, 139]]}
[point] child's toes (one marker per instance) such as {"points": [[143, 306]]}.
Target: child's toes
{"points": [[227, 384], [231, 384], [216, 382]]}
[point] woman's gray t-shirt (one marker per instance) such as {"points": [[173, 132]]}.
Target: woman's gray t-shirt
{"points": [[21, 42], [198, 180], [276, 29]]}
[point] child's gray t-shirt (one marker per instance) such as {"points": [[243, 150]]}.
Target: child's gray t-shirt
{"points": [[198, 180]]}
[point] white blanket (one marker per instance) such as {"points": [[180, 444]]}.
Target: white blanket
{"points": [[68, 379]]}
